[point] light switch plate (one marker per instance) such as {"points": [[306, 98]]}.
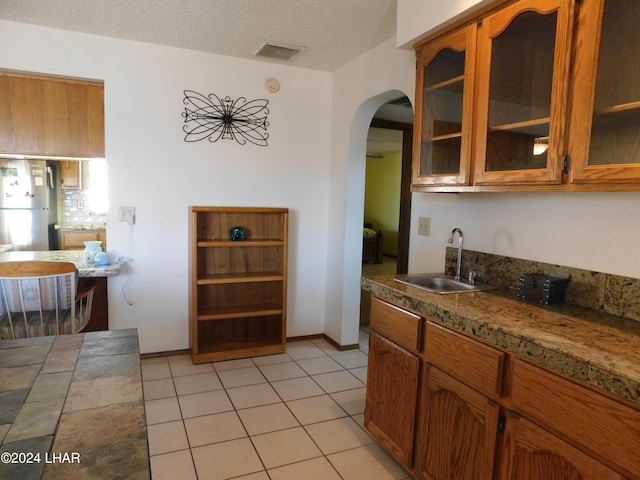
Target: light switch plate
{"points": [[127, 214]]}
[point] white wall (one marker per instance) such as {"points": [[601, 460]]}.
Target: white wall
{"points": [[419, 18], [593, 230], [359, 89], [154, 170], [597, 231]]}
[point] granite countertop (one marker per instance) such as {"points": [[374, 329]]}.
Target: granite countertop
{"points": [[599, 348], [71, 406], [74, 256]]}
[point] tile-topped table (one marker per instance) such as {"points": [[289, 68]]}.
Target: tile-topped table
{"points": [[71, 406]]}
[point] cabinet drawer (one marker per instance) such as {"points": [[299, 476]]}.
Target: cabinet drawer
{"points": [[75, 240], [395, 324], [607, 428], [471, 362]]}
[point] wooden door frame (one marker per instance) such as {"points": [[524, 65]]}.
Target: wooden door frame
{"points": [[405, 189]]}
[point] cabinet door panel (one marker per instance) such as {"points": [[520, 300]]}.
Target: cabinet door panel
{"points": [[534, 454], [457, 430], [392, 395], [444, 96], [605, 136], [71, 173], [523, 72]]}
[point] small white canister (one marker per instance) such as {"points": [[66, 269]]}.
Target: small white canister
{"points": [[91, 249]]}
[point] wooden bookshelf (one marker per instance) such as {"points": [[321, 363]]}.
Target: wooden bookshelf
{"points": [[238, 295]]}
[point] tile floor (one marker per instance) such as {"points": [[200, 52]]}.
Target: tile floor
{"points": [[292, 416]]}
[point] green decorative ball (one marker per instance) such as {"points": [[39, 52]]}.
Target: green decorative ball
{"points": [[237, 233]]}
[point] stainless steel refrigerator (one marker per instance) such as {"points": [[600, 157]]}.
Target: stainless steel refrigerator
{"points": [[24, 204]]}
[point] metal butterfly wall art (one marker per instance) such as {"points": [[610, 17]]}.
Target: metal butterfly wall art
{"points": [[213, 118]]}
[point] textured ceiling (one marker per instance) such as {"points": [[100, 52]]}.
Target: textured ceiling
{"points": [[332, 31]]}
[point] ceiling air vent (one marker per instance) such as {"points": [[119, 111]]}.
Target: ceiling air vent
{"points": [[280, 51]]}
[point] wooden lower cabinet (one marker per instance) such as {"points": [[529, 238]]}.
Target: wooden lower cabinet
{"points": [[74, 239], [598, 425], [392, 394], [457, 430], [532, 453], [455, 408]]}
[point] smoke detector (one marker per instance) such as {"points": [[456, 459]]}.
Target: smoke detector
{"points": [[280, 51]]}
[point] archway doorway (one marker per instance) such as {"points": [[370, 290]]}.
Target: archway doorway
{"points": [[344, 258], [405, 144], [387, 205]]}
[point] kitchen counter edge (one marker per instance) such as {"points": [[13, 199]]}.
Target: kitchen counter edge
{"points": [[600, 349], [74, 256]]}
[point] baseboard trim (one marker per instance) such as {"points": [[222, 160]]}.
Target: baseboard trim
{"points": [[342, 348], [169, 353], [319, 336], [322, 336]]}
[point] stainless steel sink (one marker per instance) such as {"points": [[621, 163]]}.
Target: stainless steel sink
{"points": [[440, 283]]}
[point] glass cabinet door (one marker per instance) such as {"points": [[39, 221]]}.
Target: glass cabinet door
{"points": [[444, 95], [604, 134], [523, 72]]}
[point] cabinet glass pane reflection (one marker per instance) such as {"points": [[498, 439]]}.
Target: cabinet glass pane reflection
{"points": [[615, 133], [442, 114], [522, 59]]}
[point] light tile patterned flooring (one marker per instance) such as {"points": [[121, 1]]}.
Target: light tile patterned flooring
{"points": [[292, 416]]}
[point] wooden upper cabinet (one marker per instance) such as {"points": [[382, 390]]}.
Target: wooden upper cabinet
{"points": [[444, 95], [51, 116], [71, 173], [604, 133], [531, 95], [522, 88]]}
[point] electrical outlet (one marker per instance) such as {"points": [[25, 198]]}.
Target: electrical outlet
{"points": [[127, 214], [424, 226]]}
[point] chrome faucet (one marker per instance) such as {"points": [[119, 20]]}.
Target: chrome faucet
{"points": [[459, 262]]}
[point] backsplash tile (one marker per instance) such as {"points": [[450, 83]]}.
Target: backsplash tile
{"points": [[622, 296], [76, 204], [603, 292], [73, 214]]}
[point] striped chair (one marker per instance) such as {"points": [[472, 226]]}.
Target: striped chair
{"points": [[42, 298]]}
